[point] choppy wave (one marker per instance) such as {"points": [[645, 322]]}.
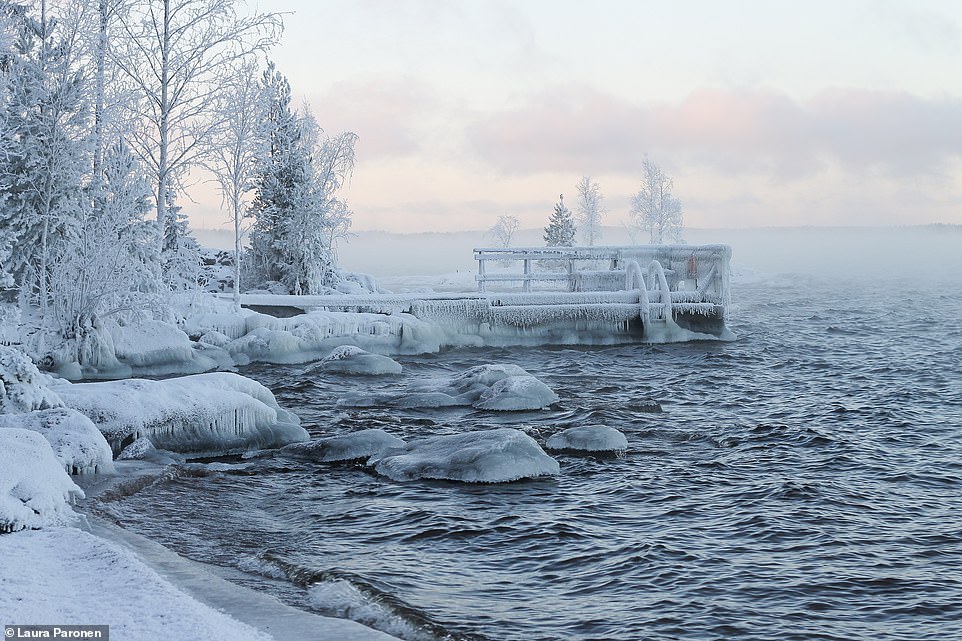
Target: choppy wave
{"points": [[803, 482]]}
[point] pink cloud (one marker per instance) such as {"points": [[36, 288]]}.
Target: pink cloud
{"points": [[581, 129], [383, 112]]}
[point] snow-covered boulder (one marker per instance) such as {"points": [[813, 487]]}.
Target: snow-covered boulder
{"points": [[35, 491], [589, 438], [349, 359], [23, 388], [346, 447], [493, 456], [488, 387], [153, 347], [212, 413], [76, 441], [214, 338]]}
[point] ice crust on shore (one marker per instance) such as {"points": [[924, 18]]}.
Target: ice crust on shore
{"points": [[588, 438], [68, 576], [350, 359], [346, 447], [35, 491], [488, 387], [341, 598], [211, 413], [492, 456], [311, 336], [76, 441]]}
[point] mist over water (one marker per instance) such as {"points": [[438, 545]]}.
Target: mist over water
{"points": [[802, 482]]}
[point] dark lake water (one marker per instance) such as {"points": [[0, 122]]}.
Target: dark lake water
{"points": [[802, 482]]}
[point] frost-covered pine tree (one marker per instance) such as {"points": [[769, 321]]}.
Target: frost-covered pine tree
{"points": [[655, 208], [560, 231], [282, 182], [180, 252], [43, 170], [295, 210], [589, 210]]}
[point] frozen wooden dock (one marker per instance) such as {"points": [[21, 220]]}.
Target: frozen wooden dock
{"points": [[565, 295]]}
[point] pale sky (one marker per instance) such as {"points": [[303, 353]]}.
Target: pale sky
{"points": [[765, 113]]}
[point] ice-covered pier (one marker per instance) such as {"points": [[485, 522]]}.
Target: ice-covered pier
{"points": [[564, 295]]}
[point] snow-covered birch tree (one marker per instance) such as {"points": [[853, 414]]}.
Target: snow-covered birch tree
{"points": [[177, 55], [504, 230], [655, 208], [589, 210], [238, 148], [111, 266]]}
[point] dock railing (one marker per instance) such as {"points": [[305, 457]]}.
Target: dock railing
{"points": [[702, 270]]}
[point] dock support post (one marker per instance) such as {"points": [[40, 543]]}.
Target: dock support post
{"points": [[527, 275], [480, 273]]}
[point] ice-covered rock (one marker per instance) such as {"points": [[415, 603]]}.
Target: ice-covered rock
{"points": [[589, 438], [23, 388], [151, 344], [350, 359], [214, 338], [35, 491], [489, 387], [346, 447], [139, 450], [211, 413], [76, 441], [493, 456], [484, 375], [516, 393]]}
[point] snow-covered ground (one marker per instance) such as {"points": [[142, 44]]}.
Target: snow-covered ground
{"points": [[52, 572], [108, 576]]}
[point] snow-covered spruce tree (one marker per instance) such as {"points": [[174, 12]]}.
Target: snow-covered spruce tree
{"points": [[176, 55], [294, 205], [589, 210], [560, 231], [655, 208], [180, 257], [282, 181], [42, 174]]}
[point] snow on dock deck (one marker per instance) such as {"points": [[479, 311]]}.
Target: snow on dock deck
{"points": [[643, 292]]}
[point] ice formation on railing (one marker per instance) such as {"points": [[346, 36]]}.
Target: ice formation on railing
{"points": [[563, 298], [534, 315], [656, 274]]}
